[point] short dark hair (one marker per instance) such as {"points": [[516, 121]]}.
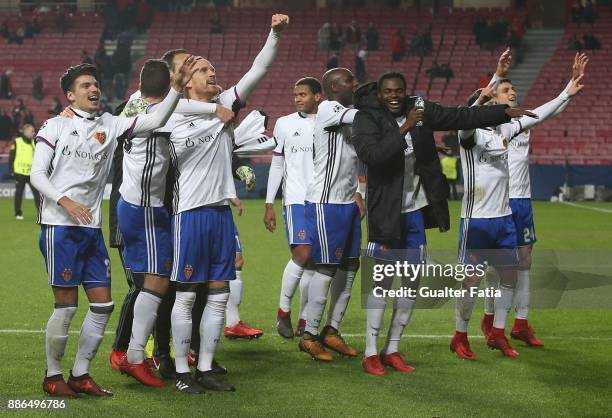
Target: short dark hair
{"points": [[389, 75], [473, 97], [154, 78], [499, 82], [169, 56], [313, 84], [74, 72]]}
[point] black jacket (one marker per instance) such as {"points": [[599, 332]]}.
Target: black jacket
{"points": [[380, 146]]}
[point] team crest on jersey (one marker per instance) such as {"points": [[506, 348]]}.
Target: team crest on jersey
{"points": [[338, 253], [301, 235], [187, 271], [168, 264], [67, 274], [383, 248], [100, 137]]}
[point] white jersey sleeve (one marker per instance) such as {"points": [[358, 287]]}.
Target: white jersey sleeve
{"points": [[275, 177], [332, 113], [279, 138], [186, 106], [143, 125], [41, 163]]}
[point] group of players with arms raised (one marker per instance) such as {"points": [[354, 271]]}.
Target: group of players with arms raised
{"points": [[174, 184]]}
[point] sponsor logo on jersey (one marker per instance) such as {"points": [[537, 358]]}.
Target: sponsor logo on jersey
{"points": [[187, 271], [296, 133], [191, 125], [86, 155], [295, 149], [74, 133], [100, 137], [67, 274]]}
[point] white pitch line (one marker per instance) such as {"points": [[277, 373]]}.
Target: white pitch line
{"points": [[408, 336], [577, 205]]}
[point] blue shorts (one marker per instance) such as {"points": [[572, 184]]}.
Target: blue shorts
{"points": [[237, 237], [204, 244], [146, 238], [75, 255], [335, 231], [295, 225], [522, 215], [488, 239], [412, 245]]}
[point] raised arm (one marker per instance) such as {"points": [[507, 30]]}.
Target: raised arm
{"points": [[263, 61]]}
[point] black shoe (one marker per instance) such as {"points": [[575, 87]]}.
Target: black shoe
{"points": [[218, 368], [186, 384], [283, 324], [210, 381], [165, 366]]}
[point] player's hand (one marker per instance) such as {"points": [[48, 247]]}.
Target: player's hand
{"points": [[185, 72], [235, 201], [225, 114], [575, 87], [67, 113], [359, 201], [515, 112], [279, 22], [270, 217], [413, 117], [79, 213], [503, 65], [580, 62], [246, 174]]}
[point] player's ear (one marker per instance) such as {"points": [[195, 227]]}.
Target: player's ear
{"points": [[318, 97], [70, 96]]}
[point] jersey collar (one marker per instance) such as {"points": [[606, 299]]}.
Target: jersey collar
{"points": [[82, 114], [306, 115]]}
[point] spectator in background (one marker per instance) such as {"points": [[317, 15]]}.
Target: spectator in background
{"points": [[144, 15], [20, 164], [398, 45], [352, 36], [122, 65], [6, 125], [574, 43], [360, 68], [4, 30], [6, 89], [324, 36], [371, 37], [591, 42], [85, 58], [61, 20], [588, 11], [106, 70], [483, 81], [215, 23], [37, 87], [479, 29], [332, 61], [28, 29], [335, 37], [56, 108]]}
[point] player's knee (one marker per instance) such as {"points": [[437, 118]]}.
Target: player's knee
{"points": [[301, 255], [525, 261], [350, 264], [105, 308], [186, 287], [218, 287]]}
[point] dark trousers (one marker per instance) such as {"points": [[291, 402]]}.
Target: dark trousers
{"points": [[126, 317], [21, 182]]}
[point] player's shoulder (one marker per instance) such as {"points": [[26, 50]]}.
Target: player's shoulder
{"points": [[288, 119], [56, 122], [330, 106]]}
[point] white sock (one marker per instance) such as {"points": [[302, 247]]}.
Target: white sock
{"points": [[502, 306], [463, 311], [92, 333], [490, 282], [180, 320], [304, 284], [56, 337], [291, 279], [211, 326], [521, 294], [235, 297], [401, 317], [145, 314], [317, 297], [342, 285], [375, 314]]}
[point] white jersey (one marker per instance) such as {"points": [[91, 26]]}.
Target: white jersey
{"points": [[293, 135], [145, 166], [201, 154], [83, 151], [410, 202], [335, 160], [518, 163]]}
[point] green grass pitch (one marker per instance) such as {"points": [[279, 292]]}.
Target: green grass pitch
{"points": [[569, 377]]}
